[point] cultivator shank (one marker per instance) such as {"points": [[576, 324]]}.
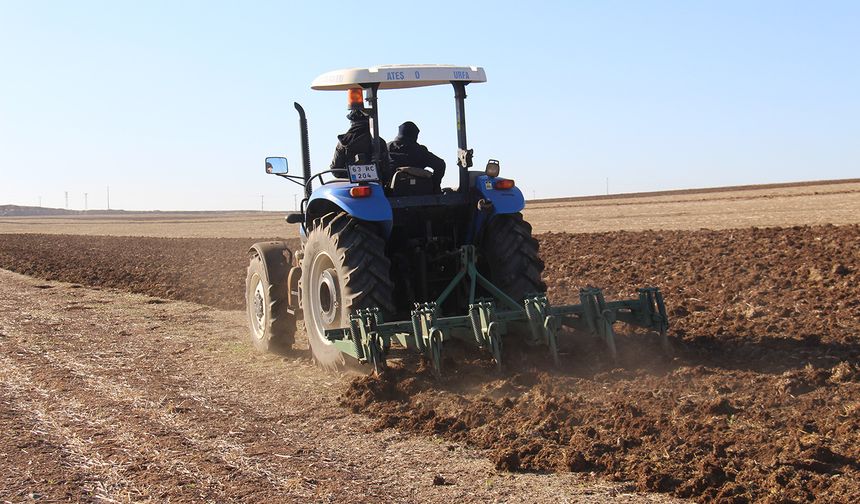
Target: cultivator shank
{"points": [[368, 338]]}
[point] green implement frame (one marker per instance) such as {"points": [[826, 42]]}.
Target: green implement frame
{"points": [[368, 338]]}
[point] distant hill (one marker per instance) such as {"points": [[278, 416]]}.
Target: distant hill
{"points": [[31, 211], [26, 211]]}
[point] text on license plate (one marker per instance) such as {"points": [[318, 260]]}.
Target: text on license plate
{"points": [[363, 173]]}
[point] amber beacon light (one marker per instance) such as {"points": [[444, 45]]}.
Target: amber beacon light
{"points": [[355, 96]]}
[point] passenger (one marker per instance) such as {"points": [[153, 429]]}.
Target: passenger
{"points": [[406, 151], [357, 141]]}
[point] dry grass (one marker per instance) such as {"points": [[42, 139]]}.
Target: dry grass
{"points": [[161, 224], [731, 209], [814, 203]]}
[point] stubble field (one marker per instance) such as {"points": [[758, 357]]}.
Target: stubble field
{"points": [[760, 403]]}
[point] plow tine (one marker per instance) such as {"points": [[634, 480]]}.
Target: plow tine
{"points": [[608, 336], [599, 319], [664, 325], [543, 325], [549, 327], [495, 344], [436, 339], [418, 330], [653, 315], [668, 351], [370, 346], [428, 335], [475, 319], [535, 308], [530, 309], [377, 356], [486, 329]]}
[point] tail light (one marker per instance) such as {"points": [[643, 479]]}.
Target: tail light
{"points": [[503, 184], [361, 191]]}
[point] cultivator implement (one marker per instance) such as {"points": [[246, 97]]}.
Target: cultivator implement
{"points": [[368, 338]]}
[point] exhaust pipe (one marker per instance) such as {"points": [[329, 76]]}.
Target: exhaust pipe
{"points": [[306, 149]]}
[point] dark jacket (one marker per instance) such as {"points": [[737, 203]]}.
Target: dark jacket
{"points": [[358, 141], [406, 151]]}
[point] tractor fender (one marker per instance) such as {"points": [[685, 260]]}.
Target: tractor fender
{"points": [[505, 201], [335, 195], [277, 258]]}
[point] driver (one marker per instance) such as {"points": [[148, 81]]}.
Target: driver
{"points": [[357, 142], [406, 151]]}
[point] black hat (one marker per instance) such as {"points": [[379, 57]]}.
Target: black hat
{"points": [[409, 131]]}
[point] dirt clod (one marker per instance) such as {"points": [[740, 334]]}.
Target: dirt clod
{"points": [[440, 480], [721, 407]]}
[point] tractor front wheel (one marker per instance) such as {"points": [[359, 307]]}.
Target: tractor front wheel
{"points": [[344, 268], [271, 326]]}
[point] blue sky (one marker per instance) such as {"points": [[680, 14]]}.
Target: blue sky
{"points": [[175, 104]]}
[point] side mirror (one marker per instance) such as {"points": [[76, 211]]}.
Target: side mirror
{"points": [[277, 165], [295, 218]]}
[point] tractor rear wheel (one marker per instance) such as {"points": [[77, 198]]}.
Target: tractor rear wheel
{"points": [[271, 326], [511, 255], [344, 268]]}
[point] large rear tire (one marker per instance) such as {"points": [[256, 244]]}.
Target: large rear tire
{"points": [[512, 257], [271, 326], [344, 268]]}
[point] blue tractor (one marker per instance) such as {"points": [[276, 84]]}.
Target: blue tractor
{"points": [[392, 262]]}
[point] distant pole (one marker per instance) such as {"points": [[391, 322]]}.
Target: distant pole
{"points": [[67, 200], [607, 186], [261, 203], [40, 202], [108, 197]]}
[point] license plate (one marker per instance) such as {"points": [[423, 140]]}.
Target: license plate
{"points": [[363, 173]]}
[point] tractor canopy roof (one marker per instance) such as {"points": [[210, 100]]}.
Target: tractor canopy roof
{"points": [[398, 76]]}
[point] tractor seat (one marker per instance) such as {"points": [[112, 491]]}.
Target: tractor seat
{"points": [[411, 181]]}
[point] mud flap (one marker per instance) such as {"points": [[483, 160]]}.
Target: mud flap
{"points": [[294, 298]]}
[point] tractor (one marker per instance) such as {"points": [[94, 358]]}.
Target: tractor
{"points": [[395, 263]]}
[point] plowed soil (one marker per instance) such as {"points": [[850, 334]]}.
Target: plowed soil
{"points": [[760, 403], [209, 271]]}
